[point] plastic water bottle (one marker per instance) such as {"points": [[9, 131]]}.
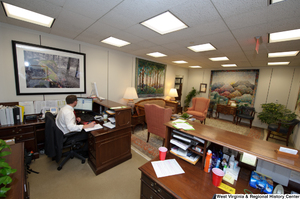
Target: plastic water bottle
{"points": [[231, 162], [207, 161]]}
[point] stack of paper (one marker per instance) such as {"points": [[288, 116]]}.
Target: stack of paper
{"points": [[97, 126], [184, 126], [109, 125]]}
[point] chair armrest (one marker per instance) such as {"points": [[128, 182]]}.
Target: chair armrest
{"points": [[190, 109], [71, 133]]}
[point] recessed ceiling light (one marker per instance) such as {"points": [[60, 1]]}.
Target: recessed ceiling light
{"points": [[202, 47], [278, 63], [195, 66], [283, 54], [180, 62], [115, 42], [275, 1], [27, 15], [229, 65], [218, 58], [156, 54], [164, 23], [284, 36]]}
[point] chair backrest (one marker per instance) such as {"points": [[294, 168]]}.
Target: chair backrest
{"points": [[246, 110], [53, 137], [200, 104], [156, 116]]}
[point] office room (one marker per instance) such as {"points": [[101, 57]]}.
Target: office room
{"points": [[238, 30]]}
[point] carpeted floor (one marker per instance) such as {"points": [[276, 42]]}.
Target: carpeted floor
{"points": [[139, 138]]}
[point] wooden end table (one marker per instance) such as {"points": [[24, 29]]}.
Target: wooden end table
{"points": [[226, 110], [137, 119]]}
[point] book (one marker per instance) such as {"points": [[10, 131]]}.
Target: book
{"points": [[3, 119]]}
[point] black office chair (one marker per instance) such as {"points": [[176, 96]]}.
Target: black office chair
{"points": [[245, 112], [283, 128], [56, 141]]}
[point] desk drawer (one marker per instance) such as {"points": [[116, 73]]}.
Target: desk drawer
{"points": [[15, 131], [155, 187], [148, 192]]}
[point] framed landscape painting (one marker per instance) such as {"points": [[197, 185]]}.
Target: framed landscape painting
{"points": [[46, 70], [149, 78], [233, 85]]}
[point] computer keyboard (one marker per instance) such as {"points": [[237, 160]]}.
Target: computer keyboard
{"points": [[87, 117]]}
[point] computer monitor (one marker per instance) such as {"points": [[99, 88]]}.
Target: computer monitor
{"points": [[84, 104]]}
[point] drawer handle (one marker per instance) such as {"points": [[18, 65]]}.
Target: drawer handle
{"points": [[152, 184], [151, 197], [159, 190], [13, 131]]}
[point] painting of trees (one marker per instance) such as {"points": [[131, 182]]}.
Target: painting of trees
{"points": [[150, 78]]}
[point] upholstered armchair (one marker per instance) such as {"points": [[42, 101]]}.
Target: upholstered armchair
{"points": [[156, 116], [199, 108]]}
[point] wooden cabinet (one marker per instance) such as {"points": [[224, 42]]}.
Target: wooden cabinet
{"points": [[151, 189], [178, 86], [19, 187], [226, 110], [136, 120], [110, 147], [27, 132]]}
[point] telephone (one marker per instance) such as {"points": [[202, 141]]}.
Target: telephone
{"points": [[54, 110]]}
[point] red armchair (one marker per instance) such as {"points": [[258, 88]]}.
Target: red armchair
{"points": [[199, 108], [156, 116]]}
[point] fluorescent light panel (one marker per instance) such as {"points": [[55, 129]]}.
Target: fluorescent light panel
{"points": [[218, 58], [284, 36], [283, 54], [195, 66], [115, 42], [275, 1], [229, 65], [202, 47], [278, 63], [180, 62], [156, 54], [27, 15], [164, 23]]}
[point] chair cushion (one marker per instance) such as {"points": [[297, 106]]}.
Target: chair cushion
{"points": [[249, 117], [273, 127]]}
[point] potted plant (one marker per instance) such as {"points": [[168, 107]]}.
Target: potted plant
{"points": [[189, 97], [5, 169], [273, 112]]}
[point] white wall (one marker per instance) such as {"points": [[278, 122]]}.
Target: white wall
{"points": [[113, 71]]}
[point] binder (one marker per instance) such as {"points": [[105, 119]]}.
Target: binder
{"points": [[9, 115], [16, 114], [22, 111], [3, 119]]}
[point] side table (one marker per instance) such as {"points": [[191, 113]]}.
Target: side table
{"points": [[137, 119], [226, 110]]}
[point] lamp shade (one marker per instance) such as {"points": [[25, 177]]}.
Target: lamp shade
{"points": [[130, 93], [173, 93]]}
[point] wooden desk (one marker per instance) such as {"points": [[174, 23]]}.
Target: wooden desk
{"points": [[110, 147], [194, 183], [136, 120], [226, 110], [19, 183], [32, 133]]}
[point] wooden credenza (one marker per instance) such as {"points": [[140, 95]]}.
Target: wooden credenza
{"points": [[110, 147], [226, 110], [195, 183]]}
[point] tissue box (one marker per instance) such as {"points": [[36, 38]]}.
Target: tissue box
{"points": [[262, 182]]}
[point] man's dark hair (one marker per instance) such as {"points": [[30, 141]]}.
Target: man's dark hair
{"points": [[71, 98]]}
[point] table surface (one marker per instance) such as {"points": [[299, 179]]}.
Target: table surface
{"points": [[194, 182]]}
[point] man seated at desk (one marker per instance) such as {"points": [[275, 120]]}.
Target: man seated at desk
{"points": [[66, 121]]}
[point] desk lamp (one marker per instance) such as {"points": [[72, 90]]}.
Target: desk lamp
{"points": [[130, 94], [173, 94]]}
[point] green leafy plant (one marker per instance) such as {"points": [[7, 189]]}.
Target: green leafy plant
{"points": [[272, 113], [5, 169], [190, 96], [185, 116]]}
